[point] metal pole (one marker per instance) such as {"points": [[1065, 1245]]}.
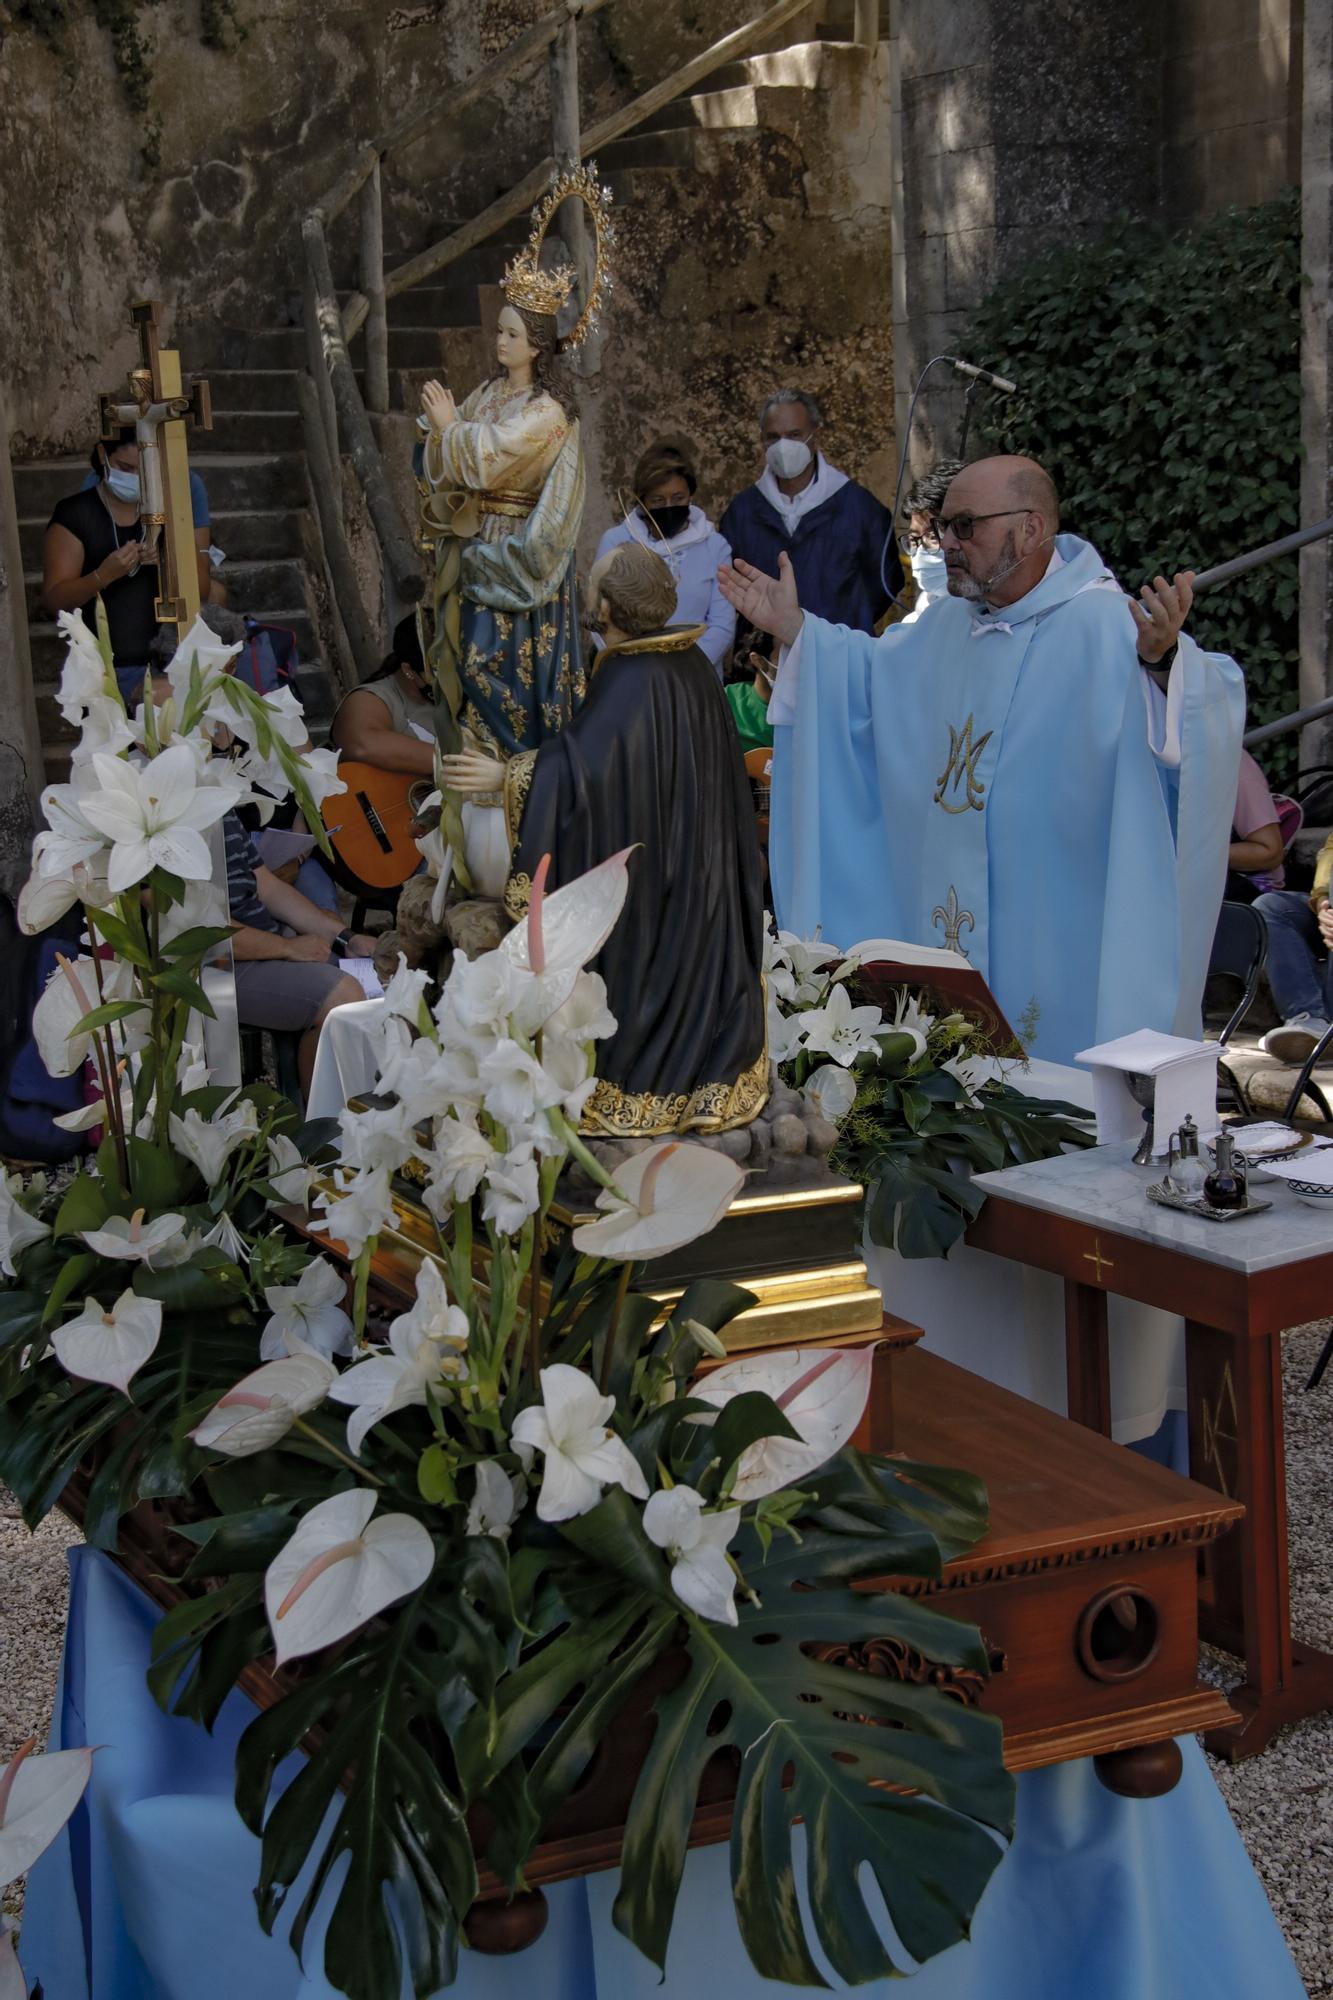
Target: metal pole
{"points": [[372, 284], [1238, 565], [1296, 720]]}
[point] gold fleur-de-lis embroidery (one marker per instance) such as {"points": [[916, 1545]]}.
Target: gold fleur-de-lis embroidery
{"points": [[951, 919], [961, 770]]}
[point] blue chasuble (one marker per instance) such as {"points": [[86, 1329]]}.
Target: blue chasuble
{"points": [[1013, 785]]}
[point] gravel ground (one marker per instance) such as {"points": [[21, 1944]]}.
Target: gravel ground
{"points": [[1281, 1801]]}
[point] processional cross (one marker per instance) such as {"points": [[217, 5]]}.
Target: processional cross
{"points": [[158, 407]]}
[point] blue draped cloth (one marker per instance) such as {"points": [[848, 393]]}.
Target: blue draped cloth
{"points": [[1012, 785], [147, 1894]]}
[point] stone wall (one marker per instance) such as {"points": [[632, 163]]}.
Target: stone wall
{"points": [[1231, 78]]}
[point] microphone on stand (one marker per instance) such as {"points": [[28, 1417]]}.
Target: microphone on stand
{"points": [[984, 375]]}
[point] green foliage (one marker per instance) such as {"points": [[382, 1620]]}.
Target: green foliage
{"points": [[1160, 384]]}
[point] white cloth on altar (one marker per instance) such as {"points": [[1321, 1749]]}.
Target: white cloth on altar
{"points": [[1006, 1322], [346, 1057]]}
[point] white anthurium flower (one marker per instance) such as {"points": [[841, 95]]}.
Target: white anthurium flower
{"points": [[496, 1502], [70, 994], [425, 1352], [339, 1569], [226, 1237], [37, 1796], [264, 1405], [44, 899], [288, 1175], [822, 1391], [695, 1543], [672, 1193], [832, 1092], [160, 1244], [154, 816], [840, 1030], [460, 1158], [403, 994], [439, 860], [565, 929], [585, 1016], [516, 1087], [13, 1986], [580, 1454], [208, 1143], [109, 1343], [309, 1315], [512, 1193], [360, 1206], [18, 1229]]}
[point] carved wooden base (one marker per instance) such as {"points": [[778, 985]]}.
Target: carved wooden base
{"points": [[1143, 1773], [1308, 1691], [498, 1928]]}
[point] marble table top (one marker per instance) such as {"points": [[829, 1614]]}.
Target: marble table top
{"points": [[1103, 1186]]}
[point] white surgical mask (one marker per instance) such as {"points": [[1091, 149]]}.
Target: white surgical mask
{"points": [[124, 485], [788, 457], [930, 572]]}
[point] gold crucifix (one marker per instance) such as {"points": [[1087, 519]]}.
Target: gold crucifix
{"points": [[1096, 1259], [158, 407]]}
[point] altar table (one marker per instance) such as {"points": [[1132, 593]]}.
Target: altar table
{"points": [[1087, 1219], [147, 1895]]}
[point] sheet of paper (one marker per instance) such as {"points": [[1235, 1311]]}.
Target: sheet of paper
{"points": [[1185, 1085], [363, 971], [277, 847], [898, 952]]}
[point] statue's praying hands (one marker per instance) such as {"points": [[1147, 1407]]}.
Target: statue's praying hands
{"points": [[472, 771], [438, 406], [768, 603]]}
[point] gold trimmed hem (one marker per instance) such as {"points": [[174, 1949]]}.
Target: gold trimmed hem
{"points": [[517, 785], [611, 1113]]}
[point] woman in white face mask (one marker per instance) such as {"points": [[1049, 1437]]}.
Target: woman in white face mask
{"points": [[94, 547], [665, 518], [930, 575]]}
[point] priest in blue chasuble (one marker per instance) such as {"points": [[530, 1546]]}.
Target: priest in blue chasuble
{"points": [[1038, 773]]}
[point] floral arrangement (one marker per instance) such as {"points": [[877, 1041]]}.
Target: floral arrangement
{"points": [[534, 1508], [921, 1101]]}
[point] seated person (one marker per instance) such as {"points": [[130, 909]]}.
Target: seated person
{"points": [[649, 763], [387, 720], [666, 518], [748, 691], [922, 507], [94, 547], [1254, 858], [282, 948], [1300, 932]]}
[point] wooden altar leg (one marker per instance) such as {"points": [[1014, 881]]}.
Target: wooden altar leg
{"points": [[1087, 1357], [1236, 1446], [1147, 1771], [504, 1927]]}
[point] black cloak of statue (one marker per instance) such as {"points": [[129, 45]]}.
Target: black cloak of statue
{"points": [[652, 761]]}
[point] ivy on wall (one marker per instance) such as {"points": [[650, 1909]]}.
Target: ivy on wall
{"points": [[219, 28], [1160, 384]]}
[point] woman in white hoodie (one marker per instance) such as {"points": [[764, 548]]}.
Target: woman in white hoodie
{"points": [[666, 520]]}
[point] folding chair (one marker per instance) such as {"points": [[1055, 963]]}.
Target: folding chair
{"points": [[1240, 952]]}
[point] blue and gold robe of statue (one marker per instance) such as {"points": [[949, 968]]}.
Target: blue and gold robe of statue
{"points": [[508, 479], [1014, 785]]}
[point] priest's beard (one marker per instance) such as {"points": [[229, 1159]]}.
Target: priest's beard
{"points": [[962, 582]]}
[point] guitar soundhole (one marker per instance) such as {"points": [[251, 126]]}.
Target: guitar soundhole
{"points": [[374, 822]]}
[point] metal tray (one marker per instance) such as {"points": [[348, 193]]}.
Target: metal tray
{"points": [[1166, 1197]]}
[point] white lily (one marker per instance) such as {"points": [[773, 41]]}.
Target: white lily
{"points": [[339, 1569], [512, 1192], [160, 1244], [971, 1073], [308, 1316], [786, 1033], [840, 1030], [822, 1391], [581, 1456], [496, 1502], [226, 1237], [70, 994], [910, 1018], [18, 1229], [425, 1352], [37, 1796], [357, 1209], [807, 958], [154, 816], [264, 1405], [67, 837], [666, 1196], [695, 1542], [109, 1344], [832, 1091], [208, 1143], [288, 1176]]}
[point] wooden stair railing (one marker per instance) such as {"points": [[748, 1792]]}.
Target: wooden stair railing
{"points": [[335, 416]]}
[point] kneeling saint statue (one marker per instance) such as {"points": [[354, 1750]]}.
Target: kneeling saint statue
{"points": [[652, 762]]}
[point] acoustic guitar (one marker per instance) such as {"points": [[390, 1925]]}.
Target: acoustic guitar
{"points": [[370, 825]]}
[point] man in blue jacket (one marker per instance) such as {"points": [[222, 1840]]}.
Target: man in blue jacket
{"points": [[832, 530]]}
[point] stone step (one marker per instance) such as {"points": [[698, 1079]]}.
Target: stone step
{"points": [[255, 431], [48, 648], [259, 534], [734, 107], [233, 481], [253, 586], [672, 148], [252, 388]]}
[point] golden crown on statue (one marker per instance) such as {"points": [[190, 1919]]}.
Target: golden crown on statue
{"points": [[534, 289]]}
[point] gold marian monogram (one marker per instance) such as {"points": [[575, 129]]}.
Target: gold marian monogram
{"points": [[961, 770]]}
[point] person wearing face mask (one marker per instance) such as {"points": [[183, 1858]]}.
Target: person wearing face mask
{"points": [[930, 572], [94, 547], [832, 531], [666, 520]]}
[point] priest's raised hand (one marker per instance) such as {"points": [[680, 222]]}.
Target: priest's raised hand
{"points": [[768, 603]]}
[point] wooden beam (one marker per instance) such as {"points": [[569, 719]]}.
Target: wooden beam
{"points": [[402, 561], [372, 284], [361, 652], [518, 200], [331, 205], [727, 50]]}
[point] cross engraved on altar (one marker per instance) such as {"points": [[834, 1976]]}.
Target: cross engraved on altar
{"points": [[1214, 1437], [1096, 1259], [961, 770], [948, 917]]}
